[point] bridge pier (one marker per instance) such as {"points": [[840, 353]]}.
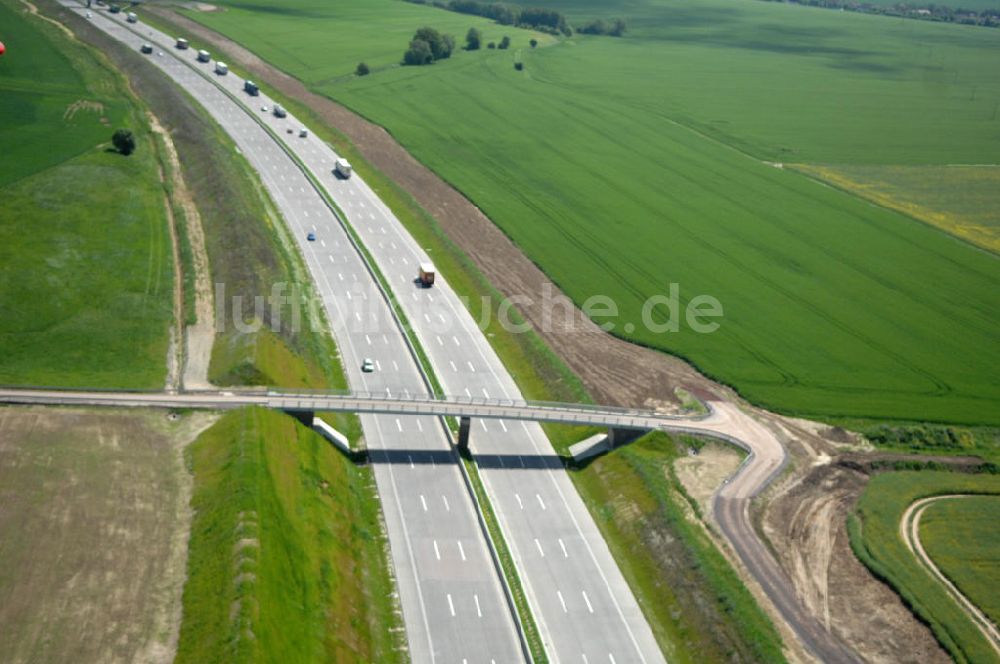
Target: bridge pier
{"points": [[304, 416], [464, 424], [618, 437]]}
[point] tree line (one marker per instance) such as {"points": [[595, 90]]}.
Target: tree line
{"points": [[537, 18], [930, 12]]}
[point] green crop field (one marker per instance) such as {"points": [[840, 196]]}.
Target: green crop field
{"points": [[85, 264], [962, 539], [874, 533], [624, 165]]}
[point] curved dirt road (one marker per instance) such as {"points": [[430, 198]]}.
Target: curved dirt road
{"points": [[909, 530]]}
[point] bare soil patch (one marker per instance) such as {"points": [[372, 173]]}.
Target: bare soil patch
{"points": [[94, 521], [701, 474], [805, 523]]}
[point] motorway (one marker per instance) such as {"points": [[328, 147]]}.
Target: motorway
{"points": [[455, 612], [451, 593], [452, 598]]}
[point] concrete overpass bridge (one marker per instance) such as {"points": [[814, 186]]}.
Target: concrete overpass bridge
{"points": [[620, 422]]}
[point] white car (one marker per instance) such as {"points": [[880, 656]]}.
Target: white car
{"points": [[303, 133], [368, 366]]}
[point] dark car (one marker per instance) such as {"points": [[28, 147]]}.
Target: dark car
{"points": [[146, 48], [311, 237]]}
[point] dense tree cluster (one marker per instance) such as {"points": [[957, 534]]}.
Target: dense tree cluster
{"points": [[928, 12], [427, 46], [473, 39], [538, 18], [124, 141], [615, 28], [362, 69]]}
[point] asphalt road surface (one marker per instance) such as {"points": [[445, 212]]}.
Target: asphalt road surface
{"points": [[453, 603]]}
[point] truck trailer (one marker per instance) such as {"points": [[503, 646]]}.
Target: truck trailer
{"points": [[221, 68], [204, 56], [342, 168], [182, 43], [426, 275]]}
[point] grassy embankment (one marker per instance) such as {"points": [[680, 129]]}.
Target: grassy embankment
{"points": [[824, 312], [85, 265], [874, 534], [285, 550], [540, 375], [318, 585], [962, 538]]}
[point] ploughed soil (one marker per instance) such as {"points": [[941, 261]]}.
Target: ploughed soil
{"points": [[94, 523]]}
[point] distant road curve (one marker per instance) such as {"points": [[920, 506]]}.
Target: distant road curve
{"points": [[909, 530]]}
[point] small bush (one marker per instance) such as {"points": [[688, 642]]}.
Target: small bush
{"points": [[124, 141], [519, 66], [491, 45], [362, 69], [504, 43], [533, 42]]}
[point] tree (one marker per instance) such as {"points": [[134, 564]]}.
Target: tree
{"points": [[533, 42], [504, 43], [473, 39], [419, 53], [124, 141], [362, 69], [519, 66], [441, 45], [491, 45]]}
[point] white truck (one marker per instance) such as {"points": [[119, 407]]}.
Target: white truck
{"points": [[342, 168], [204, 56], [221, 68], [131, 17], [182, 44]]}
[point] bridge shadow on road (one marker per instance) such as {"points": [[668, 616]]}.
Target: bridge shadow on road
{"points": [[484, 461]]}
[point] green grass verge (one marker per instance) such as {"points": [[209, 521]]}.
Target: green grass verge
{"points": [[696, 604], [85, 263], [962, 538], [874, 535], [625, 213], [285, 552], [929, 439]]}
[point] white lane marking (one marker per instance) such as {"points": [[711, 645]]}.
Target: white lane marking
{"points": [[348, 293], [368, 339], [410, 459], [461, 550], [323, 242], [440, 343], [467, 392], [452, 363], [540, 501], [437, 551], [611, 658], [563, 547], [306, 213], [471, 368], [331, 259], [385, 338], [357, 314], [539, 545], [413, 293], [451, 606], [428, 320], [423, 502], [479, 610], [447, 507], [587, 600], [378, 366], [482, 423], [430, 298], [455, 339], [340, 276], [395, 367], [519, 503], [521, 459], [562, 601], [485, 393], [420, 426], [399, 425], [502, 426]]}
